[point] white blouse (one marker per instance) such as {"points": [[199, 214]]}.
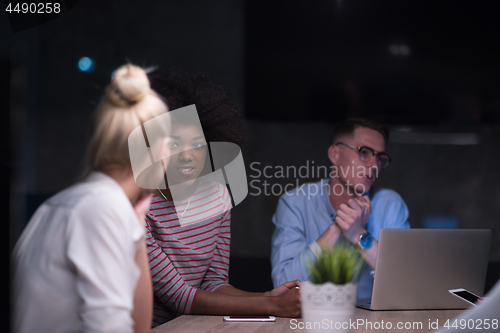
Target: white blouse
{"points": [[74, 264]]}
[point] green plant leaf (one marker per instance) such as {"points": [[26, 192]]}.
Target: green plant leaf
{"points": [[340, 265]]}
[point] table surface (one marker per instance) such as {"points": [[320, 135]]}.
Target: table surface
{"points": [[417, 320]]}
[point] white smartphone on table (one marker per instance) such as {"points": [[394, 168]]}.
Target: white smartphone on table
{"points": [[465, 295], [249, 319]]}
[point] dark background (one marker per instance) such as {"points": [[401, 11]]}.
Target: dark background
{"points": [[294, 68], [329, 59]]}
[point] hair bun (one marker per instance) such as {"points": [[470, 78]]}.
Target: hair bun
{"points": [[129, 85]]}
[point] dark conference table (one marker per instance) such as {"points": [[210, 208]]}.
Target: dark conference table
{"points": [[381, 321]]}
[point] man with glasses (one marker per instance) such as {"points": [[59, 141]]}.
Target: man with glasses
{"points": [[346, 205]]}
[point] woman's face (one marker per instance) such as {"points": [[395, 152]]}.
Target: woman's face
{"points": [[188, 150]]}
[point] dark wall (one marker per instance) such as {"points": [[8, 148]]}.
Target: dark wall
{"points": [[415, 61], [198, 35], [6, 173]]}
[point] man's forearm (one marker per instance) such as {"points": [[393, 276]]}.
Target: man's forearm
{"points": [[370, 255], [329, 238]]}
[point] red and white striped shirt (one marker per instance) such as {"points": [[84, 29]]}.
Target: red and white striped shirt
{"points": [[194, 255]]}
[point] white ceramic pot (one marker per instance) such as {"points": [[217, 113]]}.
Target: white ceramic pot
{"points": [[327, 307]]}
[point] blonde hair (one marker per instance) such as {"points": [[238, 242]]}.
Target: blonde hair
{"points": [[128, 102]]}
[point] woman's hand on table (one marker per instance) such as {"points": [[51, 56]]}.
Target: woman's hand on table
{"points": [[287, 304], [283, 288]]}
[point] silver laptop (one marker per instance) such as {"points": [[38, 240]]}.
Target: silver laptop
{"points": [[416, 267]]}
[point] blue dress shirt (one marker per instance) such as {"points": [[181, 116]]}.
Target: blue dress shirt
{"points": [[304, 213]]}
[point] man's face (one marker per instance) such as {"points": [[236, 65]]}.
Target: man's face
{"points": [[352, 171]]}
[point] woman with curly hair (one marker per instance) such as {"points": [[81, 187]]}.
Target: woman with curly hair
{"points": [[188, 232]]}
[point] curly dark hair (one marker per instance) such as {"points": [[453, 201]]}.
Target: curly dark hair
{"points": [[218, 114]]}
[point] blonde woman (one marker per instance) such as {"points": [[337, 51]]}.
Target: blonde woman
{"points": [[81, 263]]}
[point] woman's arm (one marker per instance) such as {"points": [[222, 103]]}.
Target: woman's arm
{"points": [[101, 250], [142, 313], [230, 290], [168, 285], [285, 305], [217, 275], [225, 299], [143, 296]]}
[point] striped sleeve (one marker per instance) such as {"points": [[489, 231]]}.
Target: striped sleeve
{"points": [[217, 275], [168, 285]]}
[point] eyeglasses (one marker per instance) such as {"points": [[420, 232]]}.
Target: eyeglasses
{"points": [[366, 153]]}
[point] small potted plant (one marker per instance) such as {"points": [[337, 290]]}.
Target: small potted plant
{"points": [[329, 298]]}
